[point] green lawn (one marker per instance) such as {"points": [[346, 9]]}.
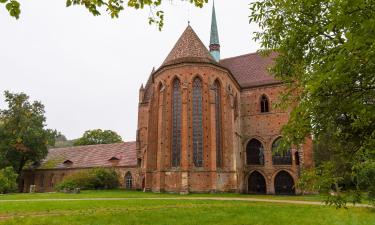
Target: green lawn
{"points": [[138, 194], [167, 211]]}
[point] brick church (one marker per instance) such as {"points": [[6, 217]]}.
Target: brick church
{"points": [[207, 124]]}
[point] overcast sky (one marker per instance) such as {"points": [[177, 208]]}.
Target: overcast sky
{"points": [[87, 70]]}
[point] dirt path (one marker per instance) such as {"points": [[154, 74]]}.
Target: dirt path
{"points": [[183, 198]]}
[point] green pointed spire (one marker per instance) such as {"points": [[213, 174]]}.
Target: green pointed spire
{"points": [[214, 37]]}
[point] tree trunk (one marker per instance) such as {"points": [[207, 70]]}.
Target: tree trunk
{"points": [[20, 181]]}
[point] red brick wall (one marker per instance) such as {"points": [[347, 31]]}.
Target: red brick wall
{"points": [[53, 177], [266, 128], [157, 160], [237, 130]]}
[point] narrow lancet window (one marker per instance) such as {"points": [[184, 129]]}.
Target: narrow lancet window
{"points": [[197, 123], [236, 110], [219, 153], [176, 123], [264, 104]]}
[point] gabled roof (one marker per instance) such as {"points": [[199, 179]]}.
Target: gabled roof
{"points": [[90, 156], [251, 70], [189, 48]]}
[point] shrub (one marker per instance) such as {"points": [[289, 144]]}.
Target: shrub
{"points": [[8, 180], [366, 179], [99, 178], [105, 179]]}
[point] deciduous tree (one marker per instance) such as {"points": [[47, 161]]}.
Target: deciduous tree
{"points": [[24, 138], [326, 56], [112, 7], [98, 136]]}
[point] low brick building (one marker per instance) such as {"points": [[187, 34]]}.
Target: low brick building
{"points": [[207, 124], [61, 162]]}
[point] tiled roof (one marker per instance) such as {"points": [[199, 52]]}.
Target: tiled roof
{"points": [[251, 70], [91, 156], [189, 48]]}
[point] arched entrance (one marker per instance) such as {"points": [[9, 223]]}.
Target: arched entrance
{"points": [[284, 184], [256, 183]]}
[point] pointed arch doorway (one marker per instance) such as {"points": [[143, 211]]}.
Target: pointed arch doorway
{"points": [[284, 184], [256, 183]]}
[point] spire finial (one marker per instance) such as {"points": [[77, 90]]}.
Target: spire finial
{"points": [[214, 36], [188, 14]]}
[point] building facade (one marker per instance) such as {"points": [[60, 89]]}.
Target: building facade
{"points": [[207, 124], [61, 162]]}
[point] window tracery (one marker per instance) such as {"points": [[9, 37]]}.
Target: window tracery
{"points": [[217, 91], [197, 123], [176, 123]]}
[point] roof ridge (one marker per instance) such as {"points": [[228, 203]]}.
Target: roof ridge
{"points": [[87, 146], [238, 56]]}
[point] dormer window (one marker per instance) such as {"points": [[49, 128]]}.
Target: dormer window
{"points": [[114, 158], [67, 163], [264, 104]]}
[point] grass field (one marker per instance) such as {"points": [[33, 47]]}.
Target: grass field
{"points": [[138, 194], [170, 211]]}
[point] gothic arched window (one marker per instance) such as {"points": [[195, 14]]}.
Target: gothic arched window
{"points": [[264, 104], [219, 153], [197, 123], [280, 156], [128, 181], [176, 123], [254, 153]]}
